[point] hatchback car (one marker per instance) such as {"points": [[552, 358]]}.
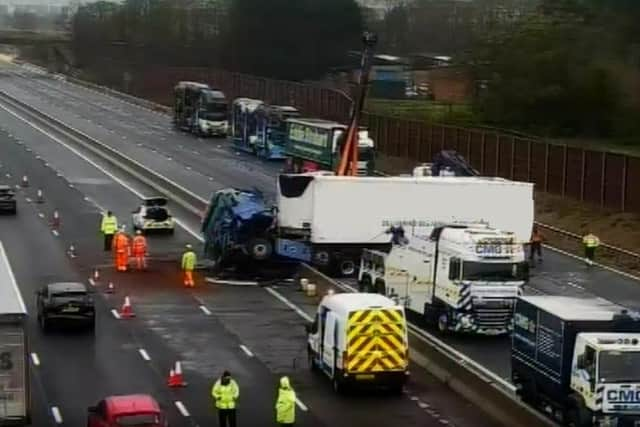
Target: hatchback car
{"points": [[65, 302], [153, 215], [135, 410]]}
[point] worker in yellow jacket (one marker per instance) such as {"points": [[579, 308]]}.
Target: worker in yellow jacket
{"points": [[225, 393], [188, 265], [108, 227], [286, 404]]}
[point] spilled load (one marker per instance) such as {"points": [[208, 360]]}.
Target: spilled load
{"points": [[327, 220]]}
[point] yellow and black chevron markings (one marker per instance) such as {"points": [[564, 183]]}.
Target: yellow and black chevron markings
{"points": [[376, 341]]}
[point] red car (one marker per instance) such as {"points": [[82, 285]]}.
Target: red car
{"points": [[134, 410]]}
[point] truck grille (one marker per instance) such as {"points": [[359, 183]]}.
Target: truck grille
{"points": [[496, 314]]}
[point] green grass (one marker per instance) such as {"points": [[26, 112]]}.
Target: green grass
{"points": [[419, 109]]}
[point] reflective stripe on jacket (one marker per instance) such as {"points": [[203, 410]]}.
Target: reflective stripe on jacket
{"points": [[225, 396], [109, 224], [189, 261], [591, 241], [286, 403], [139, 245]]}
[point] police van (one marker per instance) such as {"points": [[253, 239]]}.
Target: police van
{"points": [[578, 358], [360, 339]]}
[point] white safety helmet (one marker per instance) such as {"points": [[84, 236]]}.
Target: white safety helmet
{"points": [[139, 232], [188, 246]]}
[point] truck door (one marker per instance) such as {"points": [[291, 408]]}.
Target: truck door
{"points": [[329, 343]]}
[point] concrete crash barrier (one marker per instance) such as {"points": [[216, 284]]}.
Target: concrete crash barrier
{"points": [[477, 384]]}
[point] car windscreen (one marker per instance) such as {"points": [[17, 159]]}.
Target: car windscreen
{"points": [[138, 420], [65, 297]]}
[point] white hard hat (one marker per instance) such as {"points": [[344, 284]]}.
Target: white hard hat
{"points": [[139, 232], [188, 246]]}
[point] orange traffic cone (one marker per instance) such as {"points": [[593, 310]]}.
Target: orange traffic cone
{"points": [[55, 220], [126, 311], [25, 181], [96, 275], [175, 377], [110, 288], [39, 196]]}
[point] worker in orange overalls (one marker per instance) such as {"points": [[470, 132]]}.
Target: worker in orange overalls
{"points": [[139, 250], [121, 249], [188, 265]]}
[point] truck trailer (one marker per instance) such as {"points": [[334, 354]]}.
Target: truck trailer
{"points": [[463, 278], [327, 220], [15, 395], [579, 358]]}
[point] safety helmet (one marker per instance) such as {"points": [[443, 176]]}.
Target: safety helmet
{"points": [[123, 227], [139, 232], [188, 246]]}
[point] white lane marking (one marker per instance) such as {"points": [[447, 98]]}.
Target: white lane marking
{"points": [[35, 359], [246, 350], [423, 405], [56, 414], [92, 282], [28, 199], [205, 310], [194, 233], [182, 408], [289, 304], [55, 232], [40, 214], [581, 259], [144, 354], [115, 313], [301, 405]]}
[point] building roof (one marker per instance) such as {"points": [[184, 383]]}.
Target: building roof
{"points": [[11, 301], [573, 308], [61, 287], [132, 404], [348, 302]]}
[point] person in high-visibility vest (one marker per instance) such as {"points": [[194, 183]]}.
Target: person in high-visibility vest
{"points": [[591, 242], [121, 249], [225, 393], [108, 228], [286, 404], [139, 250], [188, 265], [536, 244]]}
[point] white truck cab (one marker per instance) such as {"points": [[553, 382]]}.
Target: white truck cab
{"points": [[462, 277]]}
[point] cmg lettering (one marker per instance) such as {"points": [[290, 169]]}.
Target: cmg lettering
{"points": [[623, 396]]}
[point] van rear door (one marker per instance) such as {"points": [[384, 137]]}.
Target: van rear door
{"points": [[376, 341]]}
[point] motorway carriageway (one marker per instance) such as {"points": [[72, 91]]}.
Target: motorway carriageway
{"points": [[209, 329]]}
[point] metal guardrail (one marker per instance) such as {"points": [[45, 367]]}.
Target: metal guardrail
{"points": [[464, 375], [623, 258]]}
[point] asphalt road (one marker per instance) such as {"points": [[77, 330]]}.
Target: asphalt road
{"points": [[205, 165], [210, 329]]}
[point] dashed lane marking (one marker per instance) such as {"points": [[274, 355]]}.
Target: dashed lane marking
{"points": [[56, 414], [144, 354], [92, 282], [35, 359], [205, 310], [246, 350], [40, 214], [55, 233], [183, 410], [115, 314]]}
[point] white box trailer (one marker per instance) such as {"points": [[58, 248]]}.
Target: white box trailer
{"points": [[15, 397], [327, 220], [337, 209]]}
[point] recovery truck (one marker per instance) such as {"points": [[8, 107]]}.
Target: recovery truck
{"points": [[15, 395], [199, 109], [360, 339], [315, 144], [463, 278], [327, 220], [578, 358]]}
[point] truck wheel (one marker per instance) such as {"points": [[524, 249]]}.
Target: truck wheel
{"points": [[260, 249], [579, 416], [443, 323], [347, 267]]}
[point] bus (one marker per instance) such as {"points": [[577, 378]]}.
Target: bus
{"points": [[199, 109]]}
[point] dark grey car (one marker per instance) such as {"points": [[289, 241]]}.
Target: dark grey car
{"points": [[65, 302]]}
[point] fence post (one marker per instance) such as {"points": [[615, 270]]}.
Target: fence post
{"points": [[546, 167], [602, 178], [583, 173], [623, 199], [513, 157], [564, 169]]}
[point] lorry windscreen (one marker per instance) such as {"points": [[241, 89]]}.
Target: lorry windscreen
{"points": [[619, 366], [492, 271]]}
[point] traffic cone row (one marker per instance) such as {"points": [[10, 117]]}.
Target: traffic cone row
{"points": [[126, 311], [175, 377]]}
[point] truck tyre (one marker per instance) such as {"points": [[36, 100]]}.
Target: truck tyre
{"points": [[321, 258], [347, 267], [443, 323], [260, 249], [578, 415]]}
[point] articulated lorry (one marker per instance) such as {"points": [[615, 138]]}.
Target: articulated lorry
{"points": [[327, 220], [578, 358], [463, 278], [15, 396]]}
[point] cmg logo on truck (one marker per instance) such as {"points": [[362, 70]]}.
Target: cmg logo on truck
{"points": [[623, 396]]}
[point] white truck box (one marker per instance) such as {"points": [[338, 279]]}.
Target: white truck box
{"points": [[341, 209]]}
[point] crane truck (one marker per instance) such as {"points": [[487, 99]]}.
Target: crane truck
{"points": [[579, 358], [461, 277]]}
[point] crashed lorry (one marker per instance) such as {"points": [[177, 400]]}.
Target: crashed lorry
{"points": [[327, 220]]}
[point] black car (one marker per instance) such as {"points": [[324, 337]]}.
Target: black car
{"points": [[66, 302], [8, 202]]}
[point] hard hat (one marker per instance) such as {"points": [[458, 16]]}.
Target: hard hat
{"points": [[138, 232], [188, 246], [123, 227]]}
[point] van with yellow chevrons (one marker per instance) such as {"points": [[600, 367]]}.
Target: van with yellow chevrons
{"points": [[360, 339]]}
